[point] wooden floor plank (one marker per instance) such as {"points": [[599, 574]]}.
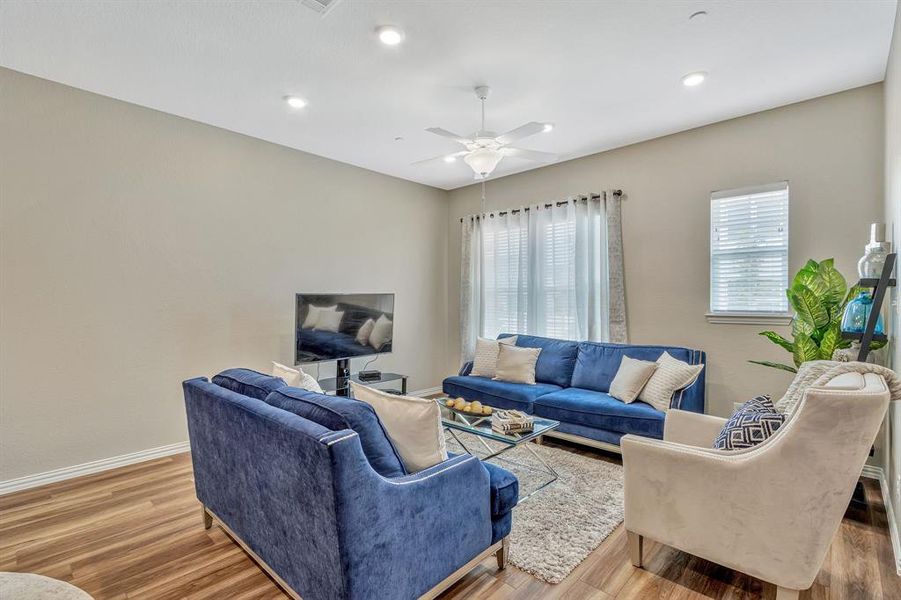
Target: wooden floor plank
{"points": [[135, 533]]}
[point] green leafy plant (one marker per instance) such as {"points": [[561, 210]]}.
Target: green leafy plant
{"points": [[818, 294]]}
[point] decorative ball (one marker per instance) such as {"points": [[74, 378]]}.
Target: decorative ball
{"points": [[459, 403], [477, 406], [486, 410], [449, 402]]}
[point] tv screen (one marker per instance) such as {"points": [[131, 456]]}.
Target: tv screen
{"points": [[338, 326]]}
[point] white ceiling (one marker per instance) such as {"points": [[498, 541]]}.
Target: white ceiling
{"points": [[607, 73]]}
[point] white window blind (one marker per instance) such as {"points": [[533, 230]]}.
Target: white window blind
{"points": [[749, 250]]}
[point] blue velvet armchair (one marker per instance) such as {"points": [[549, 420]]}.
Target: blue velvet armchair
{"points": [[304, 500]]}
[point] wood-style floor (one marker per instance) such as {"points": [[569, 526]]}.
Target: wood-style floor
{"points": [[136, 532]]}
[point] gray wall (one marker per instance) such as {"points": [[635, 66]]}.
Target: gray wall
{"points": [[140, 249], [830, 149]]}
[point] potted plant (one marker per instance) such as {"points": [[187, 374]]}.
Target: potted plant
{"points": [[818, 294]]}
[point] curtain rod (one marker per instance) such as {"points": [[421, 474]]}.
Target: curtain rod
{"points": [[548, 205]]}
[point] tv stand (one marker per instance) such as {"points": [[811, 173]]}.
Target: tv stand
{"points": [[342, 377], [341, 385]]}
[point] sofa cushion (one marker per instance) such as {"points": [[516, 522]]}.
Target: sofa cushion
{"points": [[249, 383], [339, 412], [557, 359], [600, 410], [497, 394], [596, 364]]}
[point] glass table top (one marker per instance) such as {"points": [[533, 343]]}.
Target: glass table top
{"points": [[481, 426]]}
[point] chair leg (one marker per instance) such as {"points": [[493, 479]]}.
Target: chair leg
{"points": [[207, 518], [787, 594], [636, 543], [502, 553]]}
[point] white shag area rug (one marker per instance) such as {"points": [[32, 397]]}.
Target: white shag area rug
{"points": [[560, 525], [28, 586]]}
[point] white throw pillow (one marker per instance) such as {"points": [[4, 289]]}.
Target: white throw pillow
{"points": [[516, 365], [671, 375], [296, 377], [364, 332], [313, 315], [329, 320], [381, 332], [631, 378], [413, 424], [484, 363]]}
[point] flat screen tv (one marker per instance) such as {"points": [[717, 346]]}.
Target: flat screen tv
{"points": [[342, 326]]}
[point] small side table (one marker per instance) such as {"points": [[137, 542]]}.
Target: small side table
{"points": [[336, 384]]}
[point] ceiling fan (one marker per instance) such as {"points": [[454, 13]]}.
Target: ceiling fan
{"points": [[485, 149]]}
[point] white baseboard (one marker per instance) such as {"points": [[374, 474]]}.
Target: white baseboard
{"points": [[878, 473], [104, 464]]}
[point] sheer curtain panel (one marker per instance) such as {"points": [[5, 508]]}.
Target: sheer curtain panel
{"points": [[553, 270]]}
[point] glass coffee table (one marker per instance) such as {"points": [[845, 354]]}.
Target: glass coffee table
{"points": [[480, 427]]}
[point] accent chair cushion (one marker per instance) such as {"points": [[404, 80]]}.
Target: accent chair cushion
{"points": [[597, 363], [754, 422], [601, 411], [556, 361], [671, 375], [413, 424], [516, 365], [631, 377], [248, 382], [337, 413], [497, 394]]}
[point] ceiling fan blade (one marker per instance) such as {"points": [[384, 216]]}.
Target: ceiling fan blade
{"points": [[442, 158], [449, 134], [530, 154], [523, 131]]}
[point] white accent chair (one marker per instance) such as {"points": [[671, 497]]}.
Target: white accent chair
{"points": [[770, 511]]}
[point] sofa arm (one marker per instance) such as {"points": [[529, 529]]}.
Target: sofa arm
{"points": [[466, 369], [402, 536], [692, 429]]}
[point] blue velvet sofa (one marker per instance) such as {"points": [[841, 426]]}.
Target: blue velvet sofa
{"points": [[572, 381], [312, 487]]}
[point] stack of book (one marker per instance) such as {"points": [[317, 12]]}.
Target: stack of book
{"points": [[511, 421]]}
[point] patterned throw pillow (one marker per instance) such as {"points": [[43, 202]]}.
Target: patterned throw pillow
{"points": [[755, 421]]}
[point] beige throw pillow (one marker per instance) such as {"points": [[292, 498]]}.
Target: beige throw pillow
{"points": [[296, 377], [671, 375], [329, 320], [631, 377], [484, 363], [516, 365], [382, 332], [364, 332], [313, 315], [413, 424]]}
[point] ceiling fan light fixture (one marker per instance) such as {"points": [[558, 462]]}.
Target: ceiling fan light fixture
{"points": [[483, 160]]}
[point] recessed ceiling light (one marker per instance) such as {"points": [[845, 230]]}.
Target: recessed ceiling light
{"points": [[295, 101], [450, 159], [390, 35], [693, 79], [548, 127]]}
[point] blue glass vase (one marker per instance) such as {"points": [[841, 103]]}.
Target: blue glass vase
{"points": [[857, 313]]}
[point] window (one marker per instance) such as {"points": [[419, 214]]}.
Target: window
{"points": [[543, 272], [749, 255]]}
